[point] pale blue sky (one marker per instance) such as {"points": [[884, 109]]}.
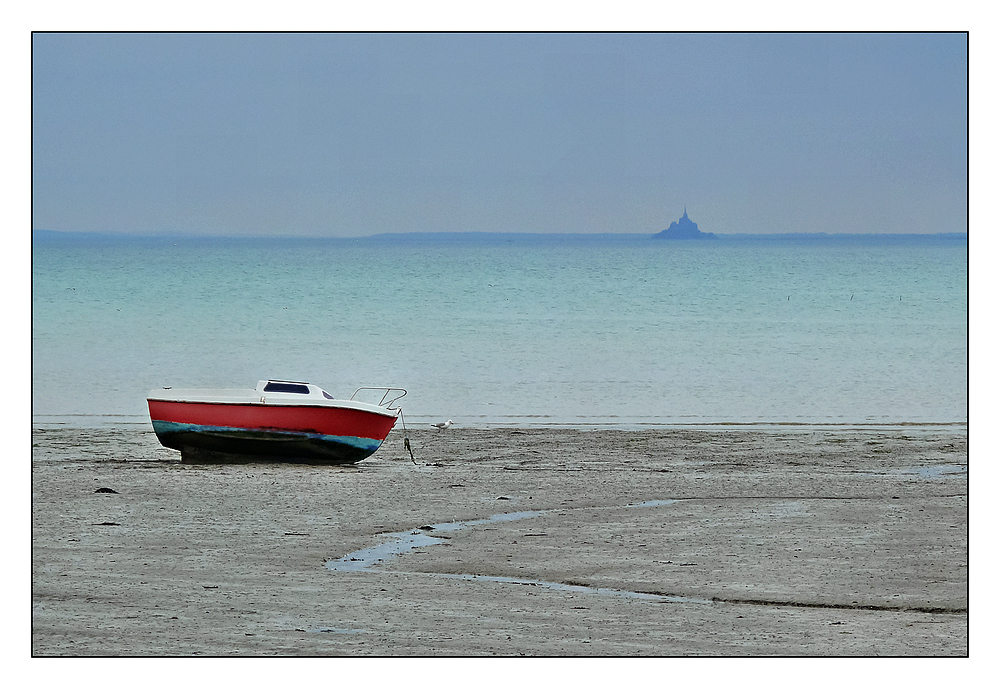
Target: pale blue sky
{"points": [[358, 134]]}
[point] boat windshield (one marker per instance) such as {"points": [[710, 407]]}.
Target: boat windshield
{"points": [[287, 387]]}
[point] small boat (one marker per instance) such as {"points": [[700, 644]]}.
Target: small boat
{"points": [[279, 420]]}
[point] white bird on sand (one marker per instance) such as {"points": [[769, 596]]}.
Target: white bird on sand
{"points": [[443, 426]]}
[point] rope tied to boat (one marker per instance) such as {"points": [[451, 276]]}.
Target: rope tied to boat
{"points": [[406, 437]]}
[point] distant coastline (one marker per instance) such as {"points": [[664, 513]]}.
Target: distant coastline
{"points": [[41, 236]]}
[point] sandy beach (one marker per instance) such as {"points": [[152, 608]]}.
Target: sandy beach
{"points": [[727, 541]]}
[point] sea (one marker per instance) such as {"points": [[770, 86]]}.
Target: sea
{"points": [[513, 330]]}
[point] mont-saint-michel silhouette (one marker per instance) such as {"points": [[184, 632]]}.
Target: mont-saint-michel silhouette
{"points": [[684, 228]]}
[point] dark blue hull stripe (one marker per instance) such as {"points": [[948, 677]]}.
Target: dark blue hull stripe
{"points": [[164, 429]]}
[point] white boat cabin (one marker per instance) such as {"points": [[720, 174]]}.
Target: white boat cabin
{"points": [[290, 389]]}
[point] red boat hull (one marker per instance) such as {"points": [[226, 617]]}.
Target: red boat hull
{"points": [[206, 431]]}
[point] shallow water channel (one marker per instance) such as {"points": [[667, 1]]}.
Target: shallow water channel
{"points": [[405, 541]]}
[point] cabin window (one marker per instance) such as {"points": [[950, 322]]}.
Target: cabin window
{"points": [[287, 387], [327, 395]]}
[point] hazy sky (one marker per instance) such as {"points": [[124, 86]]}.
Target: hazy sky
{"points": [[358, 134]]}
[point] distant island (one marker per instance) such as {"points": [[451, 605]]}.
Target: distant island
{"points": [[684, 228]]}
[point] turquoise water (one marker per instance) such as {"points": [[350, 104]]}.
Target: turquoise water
{"points": [[498, 330]]}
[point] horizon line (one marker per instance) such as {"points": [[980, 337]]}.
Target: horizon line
{"points": [[470, 233]]}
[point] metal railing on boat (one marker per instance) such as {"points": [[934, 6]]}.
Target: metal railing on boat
{"points": [[386, 395]]}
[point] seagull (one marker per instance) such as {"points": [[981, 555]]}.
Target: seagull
{"points": [[443, 426]]}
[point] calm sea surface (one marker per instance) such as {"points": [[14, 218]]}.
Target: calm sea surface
{"points": [[500, 330]]}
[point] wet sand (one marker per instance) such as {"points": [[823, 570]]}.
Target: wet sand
{"points": [[719, 542]]}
